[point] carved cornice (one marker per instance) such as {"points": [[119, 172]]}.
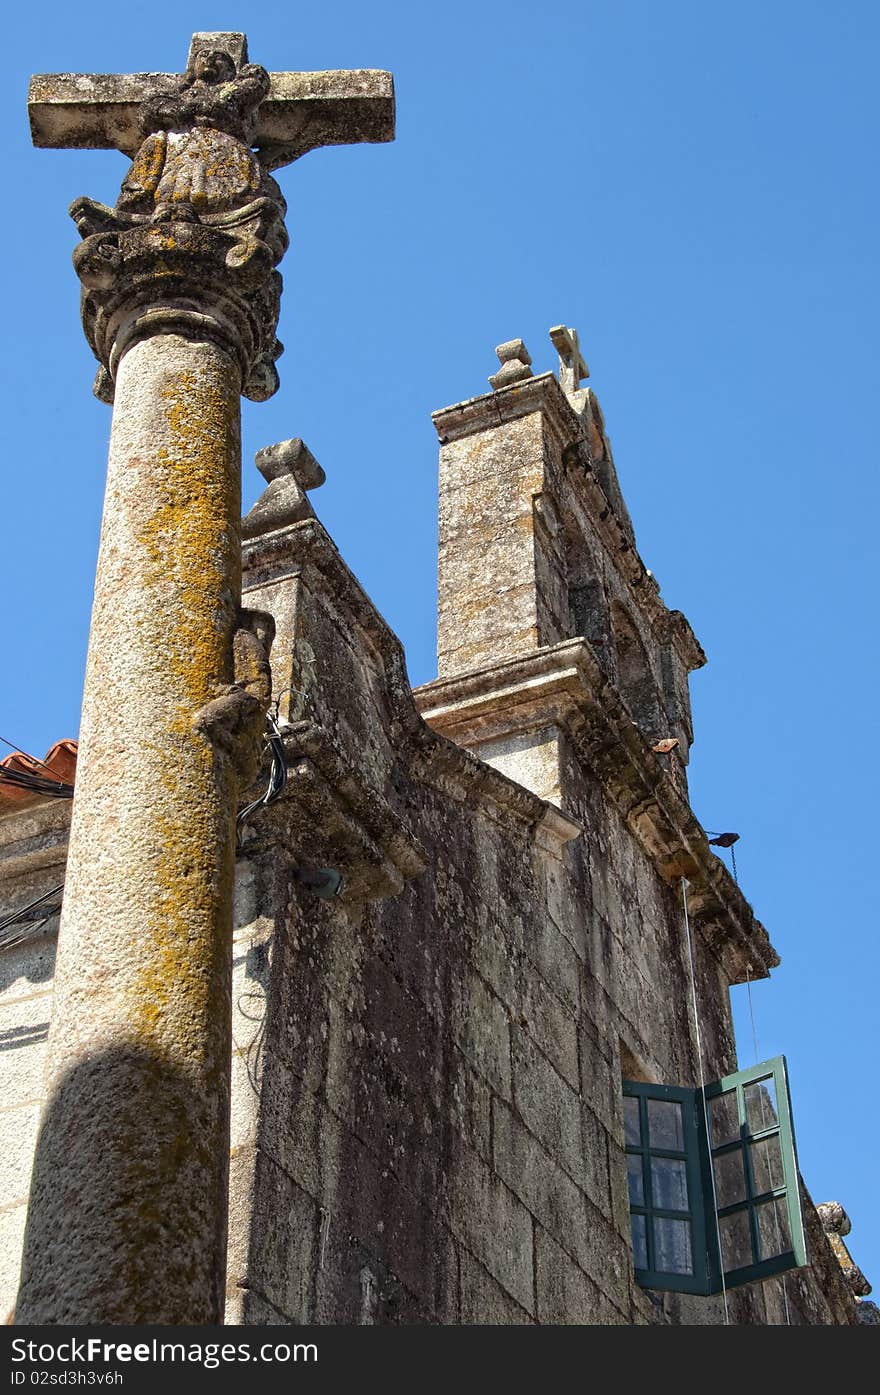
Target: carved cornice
{"points": [[518, 399], [670, 626], [333, 817], [564, 685]]}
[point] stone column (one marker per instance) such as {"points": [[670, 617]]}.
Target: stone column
{"points": [[128, 1205], [127, 1212]]}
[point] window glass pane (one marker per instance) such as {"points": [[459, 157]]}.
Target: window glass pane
{"points": [[664, 1125], [635, 1179], [672, 1246], [631, 1126], [730, 1177], [766, 1159], [736, 1240], [669, 1190], [640, 1243], [724, 1118], [773, 1233], [760, 1101]]}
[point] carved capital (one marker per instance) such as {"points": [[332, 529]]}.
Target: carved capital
{"points": [[180, 277]]}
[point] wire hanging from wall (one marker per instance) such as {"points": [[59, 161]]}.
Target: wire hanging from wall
{"points": [[277, 772], [25, 916], [699, 1045], [725, 840], [764, 1121]]}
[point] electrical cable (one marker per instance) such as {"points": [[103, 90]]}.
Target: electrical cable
{"points": [[19, 752], [764, 1123], [22, 914], [277, 772], [35, 784], [699, 1045]]}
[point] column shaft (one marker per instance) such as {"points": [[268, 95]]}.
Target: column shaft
{"points": [[127, 1216]]}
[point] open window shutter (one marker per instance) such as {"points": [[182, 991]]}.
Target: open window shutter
{"points": [[756, 1186]]}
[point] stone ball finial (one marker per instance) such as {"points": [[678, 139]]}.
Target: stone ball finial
{"points": [[515, 361]]}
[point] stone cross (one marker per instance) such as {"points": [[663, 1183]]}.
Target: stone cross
{"points": [[572, 368], [300, 112], [180, 300]]}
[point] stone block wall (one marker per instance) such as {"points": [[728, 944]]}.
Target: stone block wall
{"points": [[438, 1135], [426, 1076], [33, 851]]}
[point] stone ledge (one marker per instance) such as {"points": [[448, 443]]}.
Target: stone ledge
{"points": [[332, 818], [476, 414], [34, 837], [564, 685]]}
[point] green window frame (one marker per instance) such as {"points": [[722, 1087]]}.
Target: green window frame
{"points": [[713, 1181], [665, 1182]]}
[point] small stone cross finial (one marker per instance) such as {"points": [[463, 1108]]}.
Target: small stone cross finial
{"points": [[572, 368], [515, 361]]}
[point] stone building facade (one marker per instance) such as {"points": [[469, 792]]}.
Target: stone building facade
{"points": [[427, 1109]]}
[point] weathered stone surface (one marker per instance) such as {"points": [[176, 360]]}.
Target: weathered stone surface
{"points": [[275, 1242], [20, 1129], [555, 1114], [552, 1027], [559, 1205], [290, 470], [301, 111], [483, 1032], [515, 361], [483, 1300], [12, 1223], [565, 1295], [427, 1110], [24, 1029], [490, 1222], [836, 1224], [137, 1082]]}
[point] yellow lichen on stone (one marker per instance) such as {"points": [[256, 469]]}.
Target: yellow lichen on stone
{"points": [[191, 554]]}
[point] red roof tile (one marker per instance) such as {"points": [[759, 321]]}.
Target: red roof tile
{"points": [[61, 762]]}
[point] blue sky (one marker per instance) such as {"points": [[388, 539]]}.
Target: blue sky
{"points": [[694, 187]]}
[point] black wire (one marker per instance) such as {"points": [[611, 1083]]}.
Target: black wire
{"points": [[10, 941], [19, 752], [35, 784], [277, 772], [20, 914]]}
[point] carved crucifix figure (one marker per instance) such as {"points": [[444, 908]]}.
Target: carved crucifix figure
{"points": [[180, 298]]}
